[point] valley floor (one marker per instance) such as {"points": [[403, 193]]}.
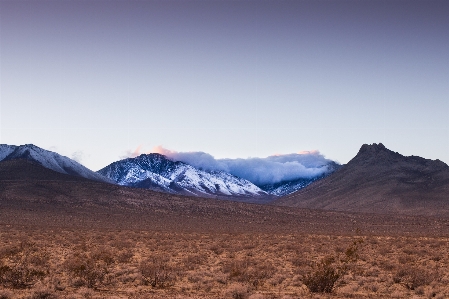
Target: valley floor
{"points": [[39, 262], [73, 240]]}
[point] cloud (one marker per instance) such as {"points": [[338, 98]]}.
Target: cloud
{"points": [[78, 156], [200, 160], [260, 171], [133, 153]]}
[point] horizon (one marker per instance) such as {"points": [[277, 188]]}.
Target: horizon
{"points": [[94, 81], [202, 160]]}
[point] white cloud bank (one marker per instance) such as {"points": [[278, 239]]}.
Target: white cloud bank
{"points": [[260, 171]]}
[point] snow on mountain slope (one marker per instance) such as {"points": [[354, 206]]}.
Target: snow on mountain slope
{"points": [[156, 172], [6, 150], [48, 159], [287, 187]]}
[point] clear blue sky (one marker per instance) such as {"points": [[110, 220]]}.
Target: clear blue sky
{"points": [[230, 78]]}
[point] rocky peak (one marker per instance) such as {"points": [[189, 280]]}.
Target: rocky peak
{"points": [[378, 154], [372, 148]]}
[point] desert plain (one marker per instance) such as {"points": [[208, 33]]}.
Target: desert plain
{"points": [[73, 238]]}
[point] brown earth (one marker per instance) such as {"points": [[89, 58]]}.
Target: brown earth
{"points": [[67, 237]]}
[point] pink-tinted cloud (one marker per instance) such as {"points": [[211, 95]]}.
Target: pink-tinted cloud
{"points": [[260, 171]]}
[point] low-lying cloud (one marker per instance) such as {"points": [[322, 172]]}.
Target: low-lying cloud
{"points": [[274, 169], [260, 171]]}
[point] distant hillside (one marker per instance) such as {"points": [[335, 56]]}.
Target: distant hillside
{"points": [[32, 196], [156, 172], [49, 160], [381, 181]]}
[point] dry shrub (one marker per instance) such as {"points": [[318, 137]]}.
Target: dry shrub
{"points": [[8, 251], [57, 284], [277, 279], [157, 272], [125, 256], [326, 273], [216, 249], [194, 260], [19, 276], [122, 244], [86, 271], [324, 276], [5, 294], [387, 265], [22, 266], [249, 271], [352, 252], [237, 291], [43, 294], [103, 254], [436, 258], [414, 277], [405, 259]]}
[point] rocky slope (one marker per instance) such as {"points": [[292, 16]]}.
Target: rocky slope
{"points": [[156, 172], [49, 160], [381, 181]]}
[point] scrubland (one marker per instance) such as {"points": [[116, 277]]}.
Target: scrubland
{"points": [[100, 263], [70, 239]]}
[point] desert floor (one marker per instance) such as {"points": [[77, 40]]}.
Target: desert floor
{"points": [[102, 263], [57, 240]]}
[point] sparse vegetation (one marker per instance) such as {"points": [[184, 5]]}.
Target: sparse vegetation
{"points": [[157, 273], [86, 264], [324, 276], [22, 265], [413, 277], [86, 271]]}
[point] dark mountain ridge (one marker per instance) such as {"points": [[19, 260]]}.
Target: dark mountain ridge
{"points": [[382, 181]]}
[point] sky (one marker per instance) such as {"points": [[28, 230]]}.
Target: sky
{"points": [[95, 80]]}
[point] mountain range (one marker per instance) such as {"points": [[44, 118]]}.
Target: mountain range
{"points": [[376, 180], [156, 172], [159, 173]]}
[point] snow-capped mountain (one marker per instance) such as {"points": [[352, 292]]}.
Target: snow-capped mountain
{"points": [[288, 187], [48, 159], [159, 173], [156, 172]]}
